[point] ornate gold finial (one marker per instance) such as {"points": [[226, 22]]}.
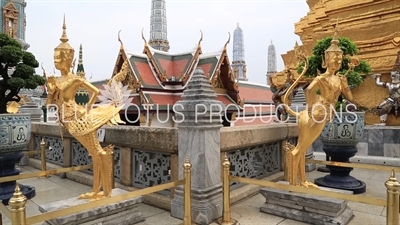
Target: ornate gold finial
{"points": [[64, 39], [144, 39], [226, 162], [187, 164], [18, 199], [119, 39], [227, 42], [201, 39], [392, 175]]}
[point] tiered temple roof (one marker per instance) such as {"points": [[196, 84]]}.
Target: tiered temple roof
{"points": [[159, 78]]}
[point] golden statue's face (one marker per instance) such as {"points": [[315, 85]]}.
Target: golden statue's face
{"points": [[61, 60], [335, 61]]}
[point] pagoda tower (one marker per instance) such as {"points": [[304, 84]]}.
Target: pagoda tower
{"points": [[81, 95], [158, 26], [271, 61], [239, 63]]}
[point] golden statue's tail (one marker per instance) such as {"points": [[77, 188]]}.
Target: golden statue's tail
{"points": [[290, 89]]}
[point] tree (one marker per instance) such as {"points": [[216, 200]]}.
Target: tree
{"points": [[23, 64]]}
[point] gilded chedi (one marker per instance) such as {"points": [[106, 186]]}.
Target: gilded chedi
{"points": [[80, 121], [373, 25]]}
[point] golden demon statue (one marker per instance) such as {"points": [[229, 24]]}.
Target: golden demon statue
{"points": [[392, 103], [82, 122], [321, 97]]}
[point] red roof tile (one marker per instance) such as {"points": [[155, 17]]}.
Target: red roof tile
{"points": [[254, 93], [174, 68], [143, 70], [207, 69]]}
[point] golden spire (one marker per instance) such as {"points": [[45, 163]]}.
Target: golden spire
{"points": [[64, 39], [227, 42], [144, 39], [335, 41], [119, 39], [201, 39]]}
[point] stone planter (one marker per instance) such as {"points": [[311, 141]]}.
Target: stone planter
{"points": [[15, 133], [345, 132], [340, 138]]}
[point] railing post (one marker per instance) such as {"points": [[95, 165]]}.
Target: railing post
{"points": [[43, 157], [187, 213], [17, 203], [226, 210], [393, 200]]}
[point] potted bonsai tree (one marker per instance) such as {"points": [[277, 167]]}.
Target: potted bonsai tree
{"points": [[341, 135], [17, 71]]}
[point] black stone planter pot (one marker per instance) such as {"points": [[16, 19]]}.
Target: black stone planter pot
{"points": [[15, 133], [7, 168], [340, 139]]}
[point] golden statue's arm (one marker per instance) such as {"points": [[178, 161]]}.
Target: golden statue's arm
{"points": [[91, 89], [291, 88]]}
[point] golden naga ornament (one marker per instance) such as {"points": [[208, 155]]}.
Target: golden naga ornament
{"points": [[321, 97], [82, 122]]}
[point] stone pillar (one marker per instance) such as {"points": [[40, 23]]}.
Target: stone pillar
{"points": [[199, 119]]}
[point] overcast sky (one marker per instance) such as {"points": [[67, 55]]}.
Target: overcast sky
{"points": [[95, 25]]}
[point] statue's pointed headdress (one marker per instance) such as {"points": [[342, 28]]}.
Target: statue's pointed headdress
{"points": [[397, 63], [335, 41], [64, 39], [334, 48]]}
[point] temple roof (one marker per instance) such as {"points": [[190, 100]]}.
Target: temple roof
{"points": [[159, 77]]}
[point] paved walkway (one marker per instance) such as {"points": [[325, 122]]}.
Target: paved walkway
{"points": [[247, 212]]}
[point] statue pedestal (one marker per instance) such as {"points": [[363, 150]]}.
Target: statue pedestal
{"points": [[306, 208], [124, 212], [339, 177]]}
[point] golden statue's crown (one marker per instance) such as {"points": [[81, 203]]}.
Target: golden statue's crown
{"points": [[335, 42], [64, 39]]}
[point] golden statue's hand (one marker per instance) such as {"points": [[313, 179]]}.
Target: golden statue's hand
{"points": [[51, 85], [353, 63]]}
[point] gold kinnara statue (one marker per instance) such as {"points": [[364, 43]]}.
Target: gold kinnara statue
{"points": [[80, 121], [321, 97]]}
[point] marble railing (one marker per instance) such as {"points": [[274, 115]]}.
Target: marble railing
{"points": [[147, 156]]}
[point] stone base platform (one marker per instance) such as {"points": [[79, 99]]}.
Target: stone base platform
{"points": [[122, 213], [306, 208]]}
